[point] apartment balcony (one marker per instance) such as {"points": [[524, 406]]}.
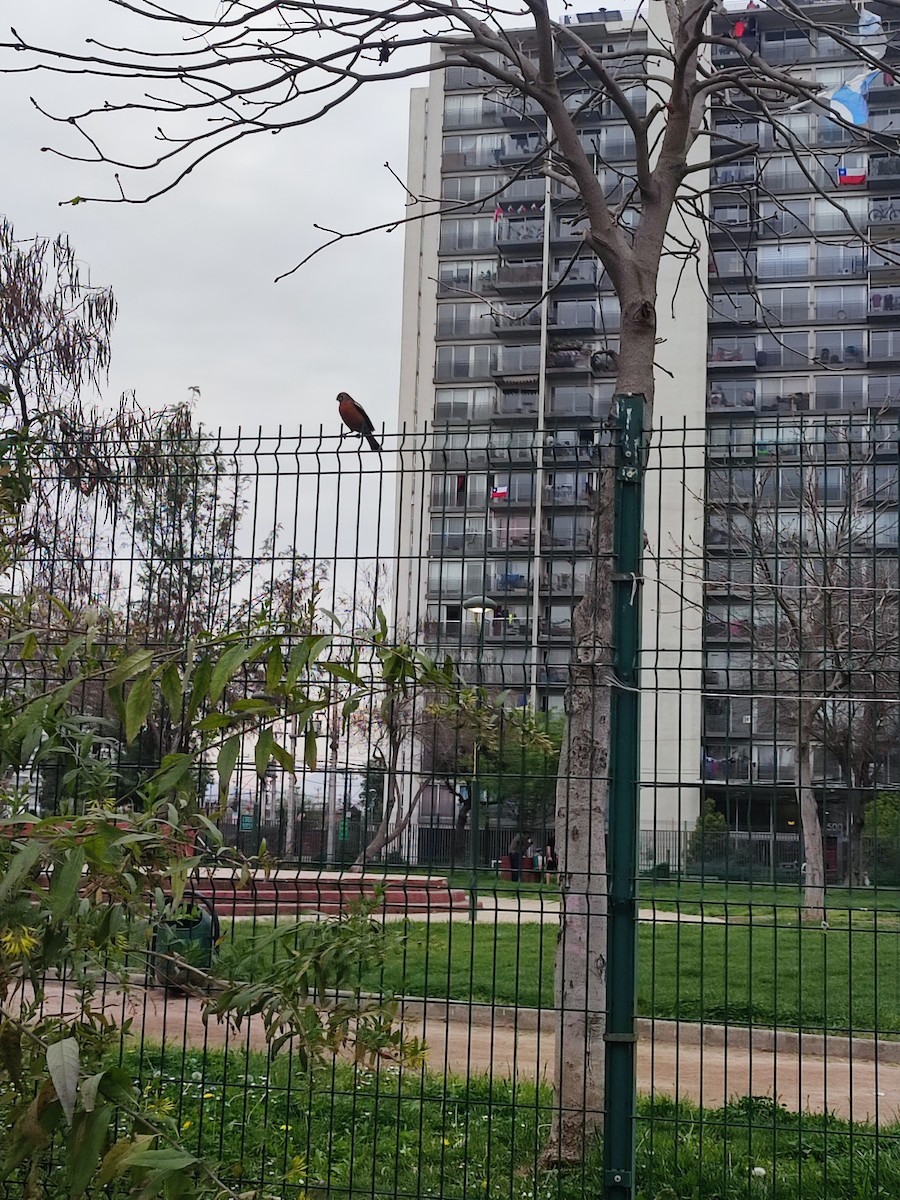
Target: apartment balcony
{"points": [[510, 583], [569, 452], [440, 544], [466, 282], [521, 111], [719, 629], [554, 675], [578, 542], [567, 320], [734, 353], [744, 173], [884, 346], [506, 542], [555, 629], [518, 363], [520, 234], [528, 191], [519, 277], [505, 496], [510, 325], [583, 275], [581, 407], [562, 583], [517, 404], [883, 168], [470, 160], [572, 361], [519, 151], [884, 303], [884, 211], [560, 495]]}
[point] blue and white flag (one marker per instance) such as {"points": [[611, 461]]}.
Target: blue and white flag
{"points": [[872, 38], [849, 100]]}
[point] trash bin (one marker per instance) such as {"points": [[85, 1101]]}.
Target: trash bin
{"points": [[505, 867], [191, 934]]}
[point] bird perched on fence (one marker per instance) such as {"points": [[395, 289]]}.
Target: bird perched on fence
{"points": [[356, 419]]}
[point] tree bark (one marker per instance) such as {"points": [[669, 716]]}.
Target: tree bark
{"points": [[813, 848], [581, 825]]}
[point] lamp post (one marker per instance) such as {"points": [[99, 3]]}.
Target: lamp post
{"points": [[481, 608]]}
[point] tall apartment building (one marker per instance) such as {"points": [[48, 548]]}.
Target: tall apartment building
{"points": [[795, 322]]}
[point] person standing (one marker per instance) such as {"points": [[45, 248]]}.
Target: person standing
{"points": [[516, 847]]}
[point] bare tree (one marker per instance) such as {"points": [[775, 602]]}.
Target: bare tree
{"points": [[266, 68], [818, 601]]}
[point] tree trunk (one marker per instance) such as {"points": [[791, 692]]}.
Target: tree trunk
{"points": [[813, 847], [582, 803], [581, 826]]}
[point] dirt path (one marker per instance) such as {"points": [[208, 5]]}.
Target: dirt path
{"points": [[670, 1062]]}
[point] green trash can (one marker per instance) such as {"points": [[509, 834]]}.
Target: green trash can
{"points": [[191, 934]]}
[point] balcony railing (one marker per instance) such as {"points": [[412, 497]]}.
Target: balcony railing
{"points": [[516, 404], [884, 166], [511, 233], [587, 272], [526, 320], [519, 275], [457, 543], [885, 303]]}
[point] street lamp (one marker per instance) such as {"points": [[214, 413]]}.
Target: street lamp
{"points": [[482, 609]]}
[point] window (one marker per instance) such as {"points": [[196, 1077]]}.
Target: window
{"points": [[470, 187], [784, 306], [461, 448], [841, 260], [783, 394], [467, 275], [884, 389], [884, 255], [453, 577], [732, 350], [783, 218], [572, 401], [885, 343], [514, 360], [782, 350], [472, 109], [836, 392], [730, 216], [464, 151], [783, 262], [843, 347], [467, 233], [846, 215], [579, 314], [463, 404], [840, 303], [464, 362], [732, 307], [511, 487], [466, 320], [512, 532], [457, 535], [732, 394], [733, 263], [459, 491]]}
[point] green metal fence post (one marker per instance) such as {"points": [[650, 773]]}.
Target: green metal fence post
{"points": [[621, 960]]}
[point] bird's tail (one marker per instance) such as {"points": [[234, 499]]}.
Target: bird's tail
{"points": [[372, 442]]}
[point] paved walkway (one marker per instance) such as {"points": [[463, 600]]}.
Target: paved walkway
{"points": [[670, 1060], [516, 910]]}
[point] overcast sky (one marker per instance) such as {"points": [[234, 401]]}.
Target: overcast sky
{"points": [[193, 272]]}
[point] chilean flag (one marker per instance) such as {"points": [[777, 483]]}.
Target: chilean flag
{"points": [[851, 175], [500, 491]]}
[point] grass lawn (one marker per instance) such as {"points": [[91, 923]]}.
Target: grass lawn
{"points": [[841, 979], [347, 1132]]}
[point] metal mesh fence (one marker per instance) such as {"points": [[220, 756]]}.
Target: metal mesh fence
{"points": [[762, 874]]}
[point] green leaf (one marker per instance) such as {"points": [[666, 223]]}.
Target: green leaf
{"points": [[63, 1062], [310, 749], [263, 752], [172, 770], [29, 646], [284, 758], [201, 676], [162, 1160], [137, 706], [274, 669], [64, 885], [227, 666], [172, 690], [24, 861], [227, 761], [115, 1161], [130, 667], [88, 1135], [342, 672], [89, 1089]]}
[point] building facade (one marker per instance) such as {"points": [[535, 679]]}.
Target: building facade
{"points": [[510, 337]]}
